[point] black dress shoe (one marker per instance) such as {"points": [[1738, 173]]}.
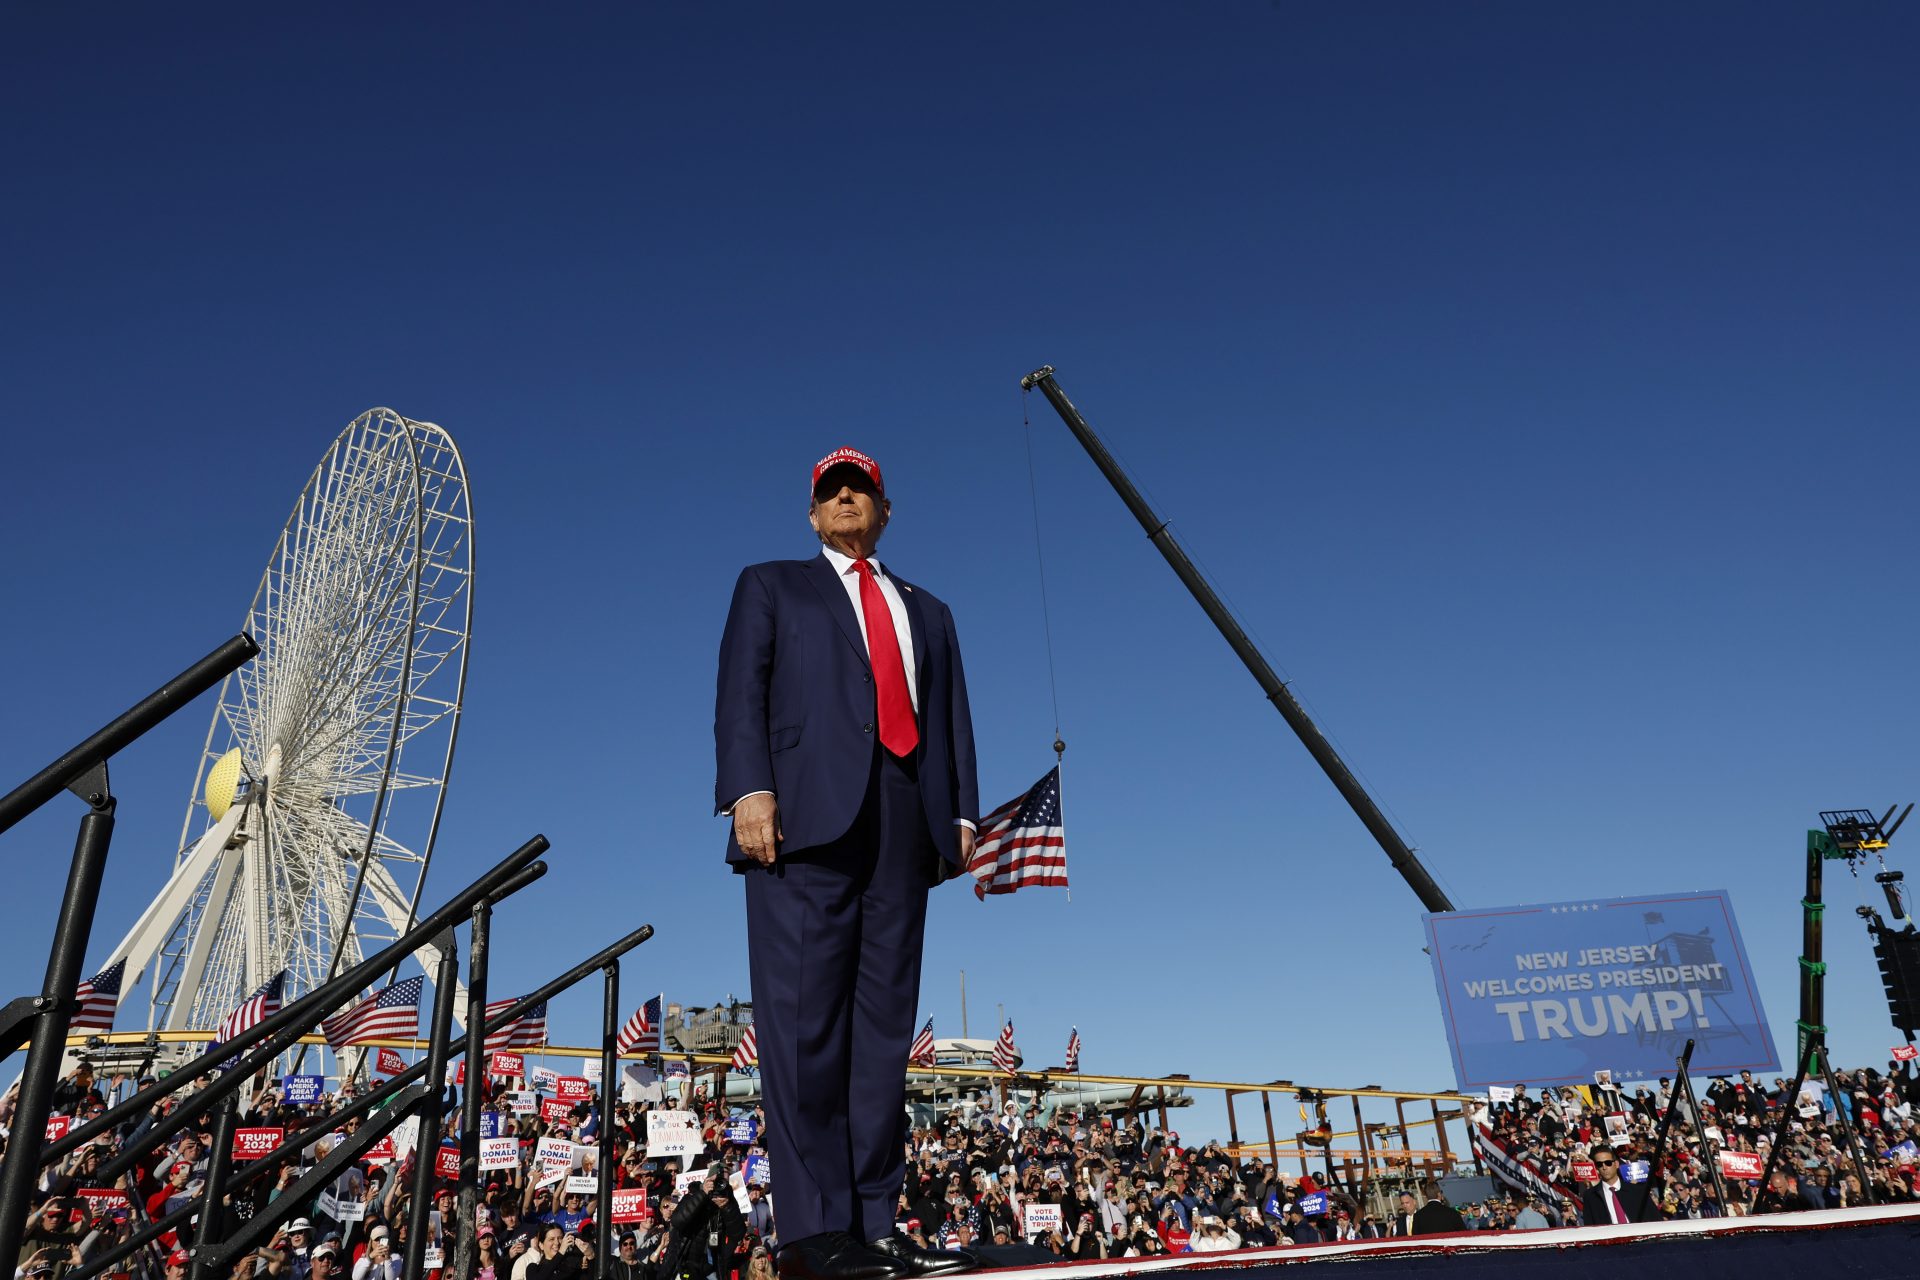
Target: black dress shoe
{"points": [[922, 1262], [835, 1255]]}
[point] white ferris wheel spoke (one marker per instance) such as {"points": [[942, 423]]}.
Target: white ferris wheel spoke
{"points": [[345, 725]]}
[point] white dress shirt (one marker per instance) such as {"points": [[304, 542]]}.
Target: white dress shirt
{"points": [[843, 565]]}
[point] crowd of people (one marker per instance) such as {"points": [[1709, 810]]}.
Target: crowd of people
{"points": [[1078, 1185], [1577, 1138]]}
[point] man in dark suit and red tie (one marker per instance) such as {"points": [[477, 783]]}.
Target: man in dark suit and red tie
{"points": [[1610, 1200], [845, 759]]}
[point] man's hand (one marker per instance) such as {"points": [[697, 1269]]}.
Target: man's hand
{"points": [[966, 835], [756, 826]]}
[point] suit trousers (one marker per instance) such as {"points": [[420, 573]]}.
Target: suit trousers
{"points": [[833, 944]]}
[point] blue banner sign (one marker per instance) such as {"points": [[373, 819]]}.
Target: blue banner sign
{"points": [[493, 1124], [301, 1091], [756, 1170], [1312, 1205], [1550, 994], [742, 1131]]}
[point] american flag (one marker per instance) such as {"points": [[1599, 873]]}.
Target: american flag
{"points": [[385, 1014], [528, 1031], [252, 1011], [1005, 1057], [643, 1032], [99, 996], [1073, 1051], [921, 1055], [747, 1052], [1022, 842]]}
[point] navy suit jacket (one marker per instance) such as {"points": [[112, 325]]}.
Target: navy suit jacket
{"points": [[794, 713]]}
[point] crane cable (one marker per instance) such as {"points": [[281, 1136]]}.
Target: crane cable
{"points": [[1040, 559]]}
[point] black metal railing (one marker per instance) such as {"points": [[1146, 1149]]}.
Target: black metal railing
{"points": [[41, 1022]]}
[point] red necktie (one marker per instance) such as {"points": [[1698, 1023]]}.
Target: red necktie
{"points": [[898, 732]]}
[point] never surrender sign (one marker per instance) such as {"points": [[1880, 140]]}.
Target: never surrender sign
{"points": [[1550, 994]]}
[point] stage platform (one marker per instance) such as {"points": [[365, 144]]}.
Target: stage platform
{"points": [[1865, 1243]]}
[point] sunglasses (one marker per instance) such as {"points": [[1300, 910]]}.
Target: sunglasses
{"points": [[1604, 1162]]}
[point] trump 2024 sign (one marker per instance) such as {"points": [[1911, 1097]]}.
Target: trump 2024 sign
{"points": [[1550, 994]]}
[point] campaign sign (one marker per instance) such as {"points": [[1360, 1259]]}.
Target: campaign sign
{"points": [[590, 1068], [499, 1153], [673, 1133], [510, 1065], [388, 1062], [583, 1184], [1742, 1164], [1553, 993], [555, 1111], [1906, 1052], [492, 1124], [1274, 1207], [742, 1131], [1904, 1153], [380, 1152], [758, 1171], [522, 1102], [553, 1154], [1584, 1171], [629, 1205], [1635, 1171], [677, 1070], [251, 1144], [1040, 1218], [301, 1091], [57, 1127], [101, 1201], [544, 1078], [446, 1162], [1313, 1205], [573, 1088]]}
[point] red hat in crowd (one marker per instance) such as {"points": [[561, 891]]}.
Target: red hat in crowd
{"points": [[851, 457], [178, 1258]]}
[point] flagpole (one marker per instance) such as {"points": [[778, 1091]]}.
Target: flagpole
{"points": [[1060, 768], [963, 1004]]}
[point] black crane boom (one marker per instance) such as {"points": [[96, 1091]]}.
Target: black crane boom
{"points": [[1398, 853]]}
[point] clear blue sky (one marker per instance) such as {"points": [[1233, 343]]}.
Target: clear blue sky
{"points": [[1538, 382]]}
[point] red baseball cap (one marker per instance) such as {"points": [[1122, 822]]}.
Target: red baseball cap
{"points": [[178, 1258], [846, 455]]}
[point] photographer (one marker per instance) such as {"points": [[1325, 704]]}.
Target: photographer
{"points": [[1087, 1242]]}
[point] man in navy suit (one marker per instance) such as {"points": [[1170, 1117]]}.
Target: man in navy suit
{"points": [[845, 758]]}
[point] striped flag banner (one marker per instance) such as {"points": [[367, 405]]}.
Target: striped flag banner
{"points": [[1022, 842], [644, 1032], [254, 1010], [1518, 1172], [99, 996], [1073, 1050], [921, 1055], [528, 1031], [386, 1015], [747, 1052], [1005, 1057]]}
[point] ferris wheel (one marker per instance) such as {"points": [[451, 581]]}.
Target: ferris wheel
{"points": [[318, 796]]}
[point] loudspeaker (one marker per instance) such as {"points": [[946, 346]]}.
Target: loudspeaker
{"points": [[1898, 952]]}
